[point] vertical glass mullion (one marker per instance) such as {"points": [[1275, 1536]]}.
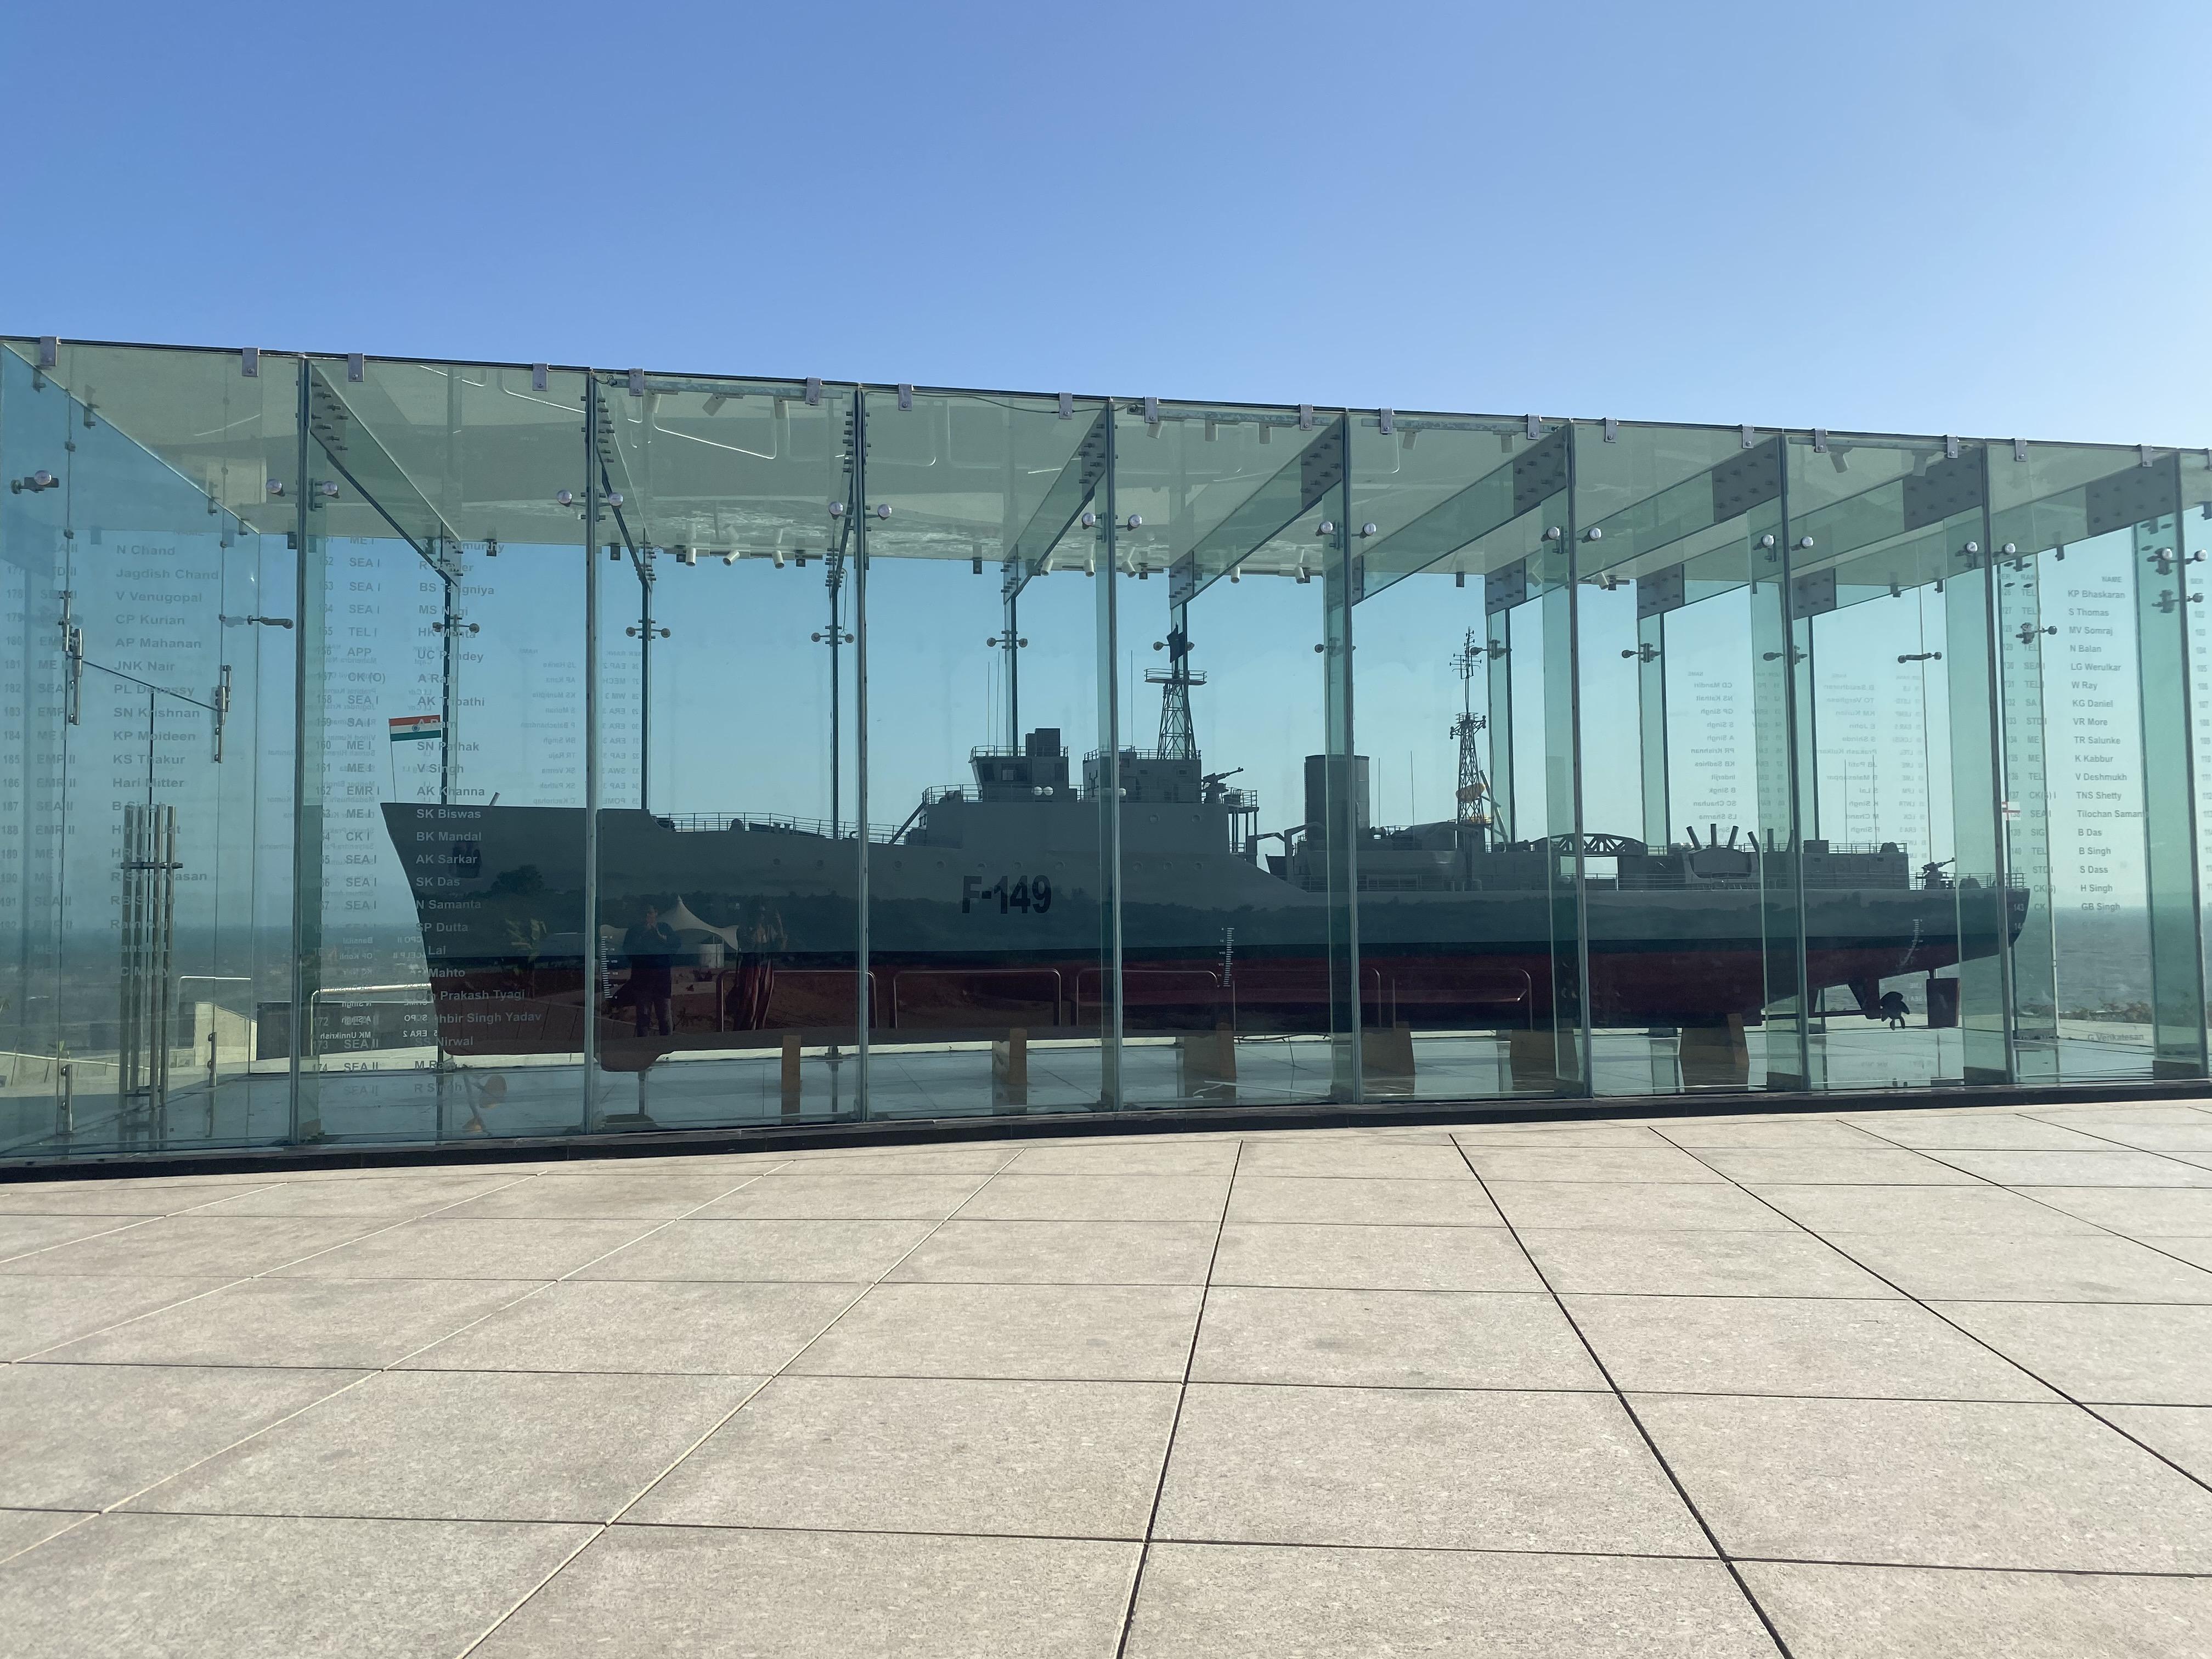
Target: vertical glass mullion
{"points": [[1347, 785], [310, 625], [2177, 965], [2032, 1005], [1971, 672], [590, 917], [864, 1013], [1775, 649], [1112, 1095], [1651, 717], [1559, 611]]}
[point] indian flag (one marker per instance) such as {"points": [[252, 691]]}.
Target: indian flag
{"points": [[408, 728]]}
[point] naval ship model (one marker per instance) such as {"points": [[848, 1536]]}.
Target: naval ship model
{"points": [[986, 914]]}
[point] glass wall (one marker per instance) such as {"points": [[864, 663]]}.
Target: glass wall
{"points": [[404, 751]]}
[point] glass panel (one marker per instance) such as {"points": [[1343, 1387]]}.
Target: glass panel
{"points": [[1242, 980], [2096, 530], [448, 747], [1899, 866], [147, 790], [728, 622], [987, 762], [1467, 918], [1694, 939]]}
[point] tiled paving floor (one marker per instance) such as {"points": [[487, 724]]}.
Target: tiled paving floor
{"points": [[1879, 1385]]}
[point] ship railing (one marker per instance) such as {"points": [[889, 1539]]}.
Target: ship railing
{"points": [[1011, 751], [771, 823]]}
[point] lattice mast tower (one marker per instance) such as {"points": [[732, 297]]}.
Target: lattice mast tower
{"points": [[1476, 809]]}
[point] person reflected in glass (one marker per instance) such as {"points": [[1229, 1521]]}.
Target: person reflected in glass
{"points": [[651, 947]]}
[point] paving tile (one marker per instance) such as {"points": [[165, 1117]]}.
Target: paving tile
{"points": [[612, 1195], [38, 1311], [706, 1328], [2042, 1267], [1831, 1166], [196, 1246], [1014, 1197], [117, 1198], [438, 1249], [790, 1194], [1066, 1459], [396, 1198], [1332, 1254], [1919, 1612], [2115, 1168], [1668, 1207], [2195, 1251], [1375, 1160], [1889, 1350], [1165, 1154], [1206, 1601], [2183, 1433], [2138, 1212], [1360, 1199], [86, 1436], [2092, 1118], [1786, 1134], [23, 1529], [839, 1250], [1929, 1483], [299, 1322], [2138, 1353], [981, 1158], [687, 1593], [2182, 1138], [1559, 1134], [1390, 1339], [1999, 1130], [1918, 1210], [1646, 1262], [1595, 1165], [1063, 1252], [464, 1445], [21, 1234], [1419, 1468], [266, 1588], [1107, 1333]]}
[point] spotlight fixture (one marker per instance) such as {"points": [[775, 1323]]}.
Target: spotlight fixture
{"points": [[34, 482], [836, 509], [1134, 521], [276, 486]]}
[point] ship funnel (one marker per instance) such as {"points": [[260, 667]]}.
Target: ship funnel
{"points": [[1336, 792]]}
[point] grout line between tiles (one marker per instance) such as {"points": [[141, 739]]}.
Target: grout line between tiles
{"points": [[1175, 1422], [1650, 1444], [599, 1530], [2064, 1395], [365, 1373]]}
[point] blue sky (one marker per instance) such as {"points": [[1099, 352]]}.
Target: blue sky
{"points": [[1971, 216]]}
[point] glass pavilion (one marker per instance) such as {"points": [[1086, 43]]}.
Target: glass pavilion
{"points": [[410, 752]]}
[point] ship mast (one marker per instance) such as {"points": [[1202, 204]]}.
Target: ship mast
{"points": [[1474, 793], [1178, 741]]}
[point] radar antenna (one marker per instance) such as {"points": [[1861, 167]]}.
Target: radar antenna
{"points": [[1476, 806]]}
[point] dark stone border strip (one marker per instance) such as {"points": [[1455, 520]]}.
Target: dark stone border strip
{"points": [[275, 1160]]}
